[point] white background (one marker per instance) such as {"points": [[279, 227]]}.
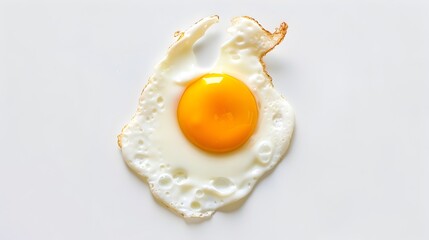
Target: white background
{"points": [[356, 73]]}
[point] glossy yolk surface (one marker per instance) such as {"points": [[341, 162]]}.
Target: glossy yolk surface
{"points": [[217, 113]]}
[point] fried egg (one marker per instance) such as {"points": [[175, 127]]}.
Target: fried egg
{"points": [[203, 137]]}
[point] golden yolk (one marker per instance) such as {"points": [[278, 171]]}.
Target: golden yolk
{"points": [[217, 113]]}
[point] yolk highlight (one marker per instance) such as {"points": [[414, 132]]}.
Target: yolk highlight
{"points": [[217, 113]]}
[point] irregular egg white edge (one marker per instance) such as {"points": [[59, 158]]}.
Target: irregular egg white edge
{"points": [[268, 145]]}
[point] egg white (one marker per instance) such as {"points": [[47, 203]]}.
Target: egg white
{"points": [[190, 181]]}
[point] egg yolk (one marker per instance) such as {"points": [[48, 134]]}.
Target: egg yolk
{"points": [[217, 113]]}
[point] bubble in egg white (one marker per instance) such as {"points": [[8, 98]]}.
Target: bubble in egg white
{"points": [[223, 186], [165, 181], [199, 193], [196, 205], [277, 120], [179, 176], [264, 152]]}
